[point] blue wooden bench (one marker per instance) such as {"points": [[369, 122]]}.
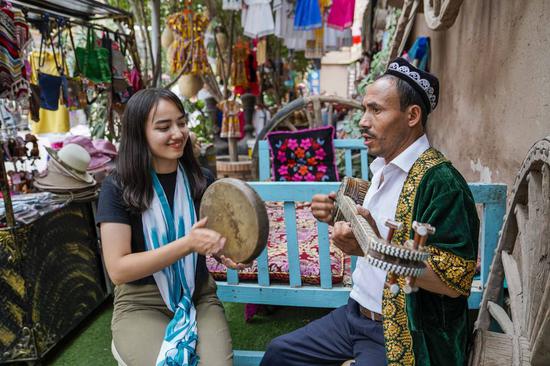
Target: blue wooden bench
{"points": [[491, 198]]}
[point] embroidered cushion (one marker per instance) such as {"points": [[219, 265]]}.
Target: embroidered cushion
{"points": [[303, 156], [306, 229]]}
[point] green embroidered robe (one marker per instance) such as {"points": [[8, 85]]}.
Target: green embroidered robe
{"points": [[425, 328]]}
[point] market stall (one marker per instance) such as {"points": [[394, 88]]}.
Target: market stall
{"points": [[51, 272]]}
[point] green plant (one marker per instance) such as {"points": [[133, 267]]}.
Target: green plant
{"points": [[203, 129]]}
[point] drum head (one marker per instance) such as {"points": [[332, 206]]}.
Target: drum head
{"points": [[238, 213]]}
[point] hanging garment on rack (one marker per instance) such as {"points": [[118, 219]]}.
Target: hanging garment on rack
{"points": [[334, 39], [308, 15], [284, 26], [261, 51], [232, 4], [52, 121], [257, 18], [230, 122], [341, 14], [188, 28], [49, 121], [238, 72]]}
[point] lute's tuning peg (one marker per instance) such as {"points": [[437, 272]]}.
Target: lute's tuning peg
{"points": [[393, 225]]}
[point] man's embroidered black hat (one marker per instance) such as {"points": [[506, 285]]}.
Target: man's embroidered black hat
{"points": [[423, 82]]}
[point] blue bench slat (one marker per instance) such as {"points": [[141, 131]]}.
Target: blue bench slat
{"points": [[306, 296], [349, 164], [324, 255], [247, 358], [232, 276], [493, 216], [263, 269], [364, 165], [263, 158], [292, 191], [354, 144], [292, 245]]}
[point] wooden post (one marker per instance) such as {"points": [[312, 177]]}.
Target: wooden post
{"points": [[4, 186]]}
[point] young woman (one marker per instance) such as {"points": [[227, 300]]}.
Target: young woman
{"points": [[166, 311]]}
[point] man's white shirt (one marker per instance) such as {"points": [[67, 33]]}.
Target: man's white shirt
{"points": [[381, 200]]}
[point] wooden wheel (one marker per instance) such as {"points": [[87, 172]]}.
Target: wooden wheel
{"points": [[312, 107], [441, 14], [523, 257]]}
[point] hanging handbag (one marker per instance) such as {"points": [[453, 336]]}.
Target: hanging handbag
{"points": [[120, 68], [94, 60], [52, 87]]}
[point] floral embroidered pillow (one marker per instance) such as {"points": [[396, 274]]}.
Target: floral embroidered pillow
{"points": [[303, 156]]}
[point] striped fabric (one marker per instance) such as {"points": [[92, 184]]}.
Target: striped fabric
{"points": [[14, 35]]}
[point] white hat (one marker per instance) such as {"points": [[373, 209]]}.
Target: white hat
{"points": [[74, 160]]}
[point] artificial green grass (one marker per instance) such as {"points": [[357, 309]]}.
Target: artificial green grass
{"points": [[255, 335], [91, 345], [88, 346]]}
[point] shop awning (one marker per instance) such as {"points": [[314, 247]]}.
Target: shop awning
{"points": [[81, 9]]}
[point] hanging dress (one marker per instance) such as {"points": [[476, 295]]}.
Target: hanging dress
{"points": [[238, 72], [308, 15], [188, 28], [230, 121], [257, 18], [341, 14]]}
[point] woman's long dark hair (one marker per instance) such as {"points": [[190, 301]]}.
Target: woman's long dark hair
{"points": [[134, 162]]}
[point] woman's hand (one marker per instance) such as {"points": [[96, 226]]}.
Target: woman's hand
{"points": [[205, 241], [322, 206], [229, 263]]}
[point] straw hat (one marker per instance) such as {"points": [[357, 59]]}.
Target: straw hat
{"points": [[73, 160], [56, 179]]}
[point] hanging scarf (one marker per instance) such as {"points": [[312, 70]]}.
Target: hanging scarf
{"points": [[176, 282]]}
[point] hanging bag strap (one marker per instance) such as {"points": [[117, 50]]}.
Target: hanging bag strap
{"points": [[78, 70]]}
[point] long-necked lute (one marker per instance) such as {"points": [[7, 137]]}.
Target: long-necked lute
{"points": [[399, 260]]}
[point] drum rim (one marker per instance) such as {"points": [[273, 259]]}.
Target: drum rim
{"points": [[261, 213]]}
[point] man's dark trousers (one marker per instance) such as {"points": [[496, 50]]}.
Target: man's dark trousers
{"points": [[342, 335]]}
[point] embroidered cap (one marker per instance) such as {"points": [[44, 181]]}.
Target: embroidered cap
{"points": [[423, 82]]}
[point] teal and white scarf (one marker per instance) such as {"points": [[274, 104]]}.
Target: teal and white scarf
{"points": [[177, 281]]}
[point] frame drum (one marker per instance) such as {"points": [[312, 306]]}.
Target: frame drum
{"points": [[238, 213]]}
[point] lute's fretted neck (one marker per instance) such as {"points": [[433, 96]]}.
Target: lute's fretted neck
{"points": [[359, 225]]}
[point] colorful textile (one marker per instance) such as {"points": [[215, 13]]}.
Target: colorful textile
{"points": [[277, 251], [230, 123], [305, 155], [308, 15], [284, 26], [176, 282], [238, 67], [13, 37], [188, 29], [257, 18], [341, 14]]}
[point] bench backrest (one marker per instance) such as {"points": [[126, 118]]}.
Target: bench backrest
{"points": [[491, 197], [348, 145]]}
